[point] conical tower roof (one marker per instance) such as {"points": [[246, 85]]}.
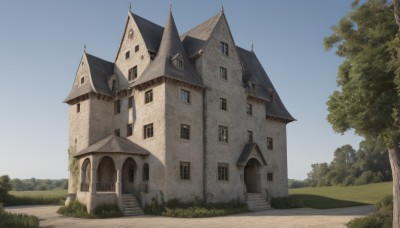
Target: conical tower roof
{"points": [[171, 49]]}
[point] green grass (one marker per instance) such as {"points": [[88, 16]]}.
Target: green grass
{"points": [[50, 197], [340, 196]]}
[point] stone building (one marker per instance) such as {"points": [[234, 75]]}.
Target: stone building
{"points": [[189, 116]]}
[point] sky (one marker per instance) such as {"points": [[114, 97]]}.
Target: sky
{"points": [[41, 44]]}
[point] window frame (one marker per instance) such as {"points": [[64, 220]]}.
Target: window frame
{"points": [[223, 73], [127, 55], [129, 130], [82, 80], [184, 96], [148, 131], [223, 104], [249, 109], [224, 48], [148, 96], [78, 107], [223, 133], [184, 170], [130, 102], [117, 107], [270, 143], [185, 131], [132, 73], [223, 172], [270, 176], [136, 48], [249, 136]]}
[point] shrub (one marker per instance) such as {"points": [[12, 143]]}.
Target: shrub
{"points": [[5, 187], [75, 209], [107, 211], [370, 221], [286, 202], [385, 206], [11, 220], [33, 200]]}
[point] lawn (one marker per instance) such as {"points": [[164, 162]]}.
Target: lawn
{"points": [[338, 196], [51, 197]]}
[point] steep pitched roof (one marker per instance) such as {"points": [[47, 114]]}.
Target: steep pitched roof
{"points": [[195, 39], [162, 65], [247, 150], [99, 70], [255, 73], [150, 31], [114, 144]]}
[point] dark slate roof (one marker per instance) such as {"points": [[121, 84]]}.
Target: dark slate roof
{"points": [[162, 65], [195, 39], [114, 144], [255, 73], [248, 148], [99, 71], [150, 31]]}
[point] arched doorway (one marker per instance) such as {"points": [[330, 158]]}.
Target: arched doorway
{"points": [[128, 176], [106, 175], [252, 176], [85, 175]]}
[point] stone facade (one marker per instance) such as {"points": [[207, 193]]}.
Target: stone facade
{"points": [[171, 145]]}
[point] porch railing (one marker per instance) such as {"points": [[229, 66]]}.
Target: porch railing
{"points": [[105, 187], [84, 187]]}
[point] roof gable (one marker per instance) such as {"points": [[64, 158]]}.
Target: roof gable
{"points": [[251, 150]]}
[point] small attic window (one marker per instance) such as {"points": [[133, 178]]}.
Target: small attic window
{"points": [[136, 48], [82, 80], [127, 55], [224, 48], [130, 34], [177, 61]]}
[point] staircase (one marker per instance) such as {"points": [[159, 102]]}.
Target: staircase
{"points": [[130, 205], [256, 202]]}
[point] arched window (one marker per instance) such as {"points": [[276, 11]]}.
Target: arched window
{"points": [[146, 172], [131, 174]]}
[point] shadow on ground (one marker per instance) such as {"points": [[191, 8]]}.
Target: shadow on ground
{"points": [[321, 202]]}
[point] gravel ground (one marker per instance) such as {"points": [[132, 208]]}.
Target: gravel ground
{"points": [[303, 217]]}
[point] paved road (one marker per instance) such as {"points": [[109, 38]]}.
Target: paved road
{"points": [[303, 217]]}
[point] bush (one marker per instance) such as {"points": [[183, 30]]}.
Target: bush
{"points": [[29, 200], [195, 209], [370, 221], [286, 202], [75, 209], [385, 206], [5, 187], [11, 220], [107, 211]]}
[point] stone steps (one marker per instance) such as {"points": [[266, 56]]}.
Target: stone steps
{"points": [[256, 202], [131, 206]]}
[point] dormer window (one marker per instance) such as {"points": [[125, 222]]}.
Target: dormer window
{"points": [[132, 74], [177, 61]]}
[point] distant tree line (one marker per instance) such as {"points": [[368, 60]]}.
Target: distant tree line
{"points": [[38, 184], [370, 164]]}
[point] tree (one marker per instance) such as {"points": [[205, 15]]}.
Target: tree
{"points": [[368, 100], [5, 186], [318, 175], [344, 157]]}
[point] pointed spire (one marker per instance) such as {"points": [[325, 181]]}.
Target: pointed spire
{"points": [[170, 6], [222, 7], [130, 6], [84, 48], [252, 46]]}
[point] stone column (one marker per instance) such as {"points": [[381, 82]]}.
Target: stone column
{"points": [[92, 186], [118, 188]]}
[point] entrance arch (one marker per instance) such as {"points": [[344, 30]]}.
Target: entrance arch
{"points": [[128, 176], [252, 176], [106, 175]]}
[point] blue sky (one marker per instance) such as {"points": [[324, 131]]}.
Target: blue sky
{"points": [[41, 43]]}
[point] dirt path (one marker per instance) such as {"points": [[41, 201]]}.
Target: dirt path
{"points": [[303, 217]]}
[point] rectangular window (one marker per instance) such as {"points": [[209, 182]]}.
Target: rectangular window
{"points": [[222, 133], [185, 131], [185, 96], [223, 171], [148, 96], [129, 130], [270, 176], [127, 54], [82, 80], [224, 49], [250, 136], [130, 102], [179, 64], [184, 170], [249, 109], [136, 48], [117, 107], [222, 104], [78, 107], [223, 73], [148, 131], [117, 132], [270, 143], [132, 73]]}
